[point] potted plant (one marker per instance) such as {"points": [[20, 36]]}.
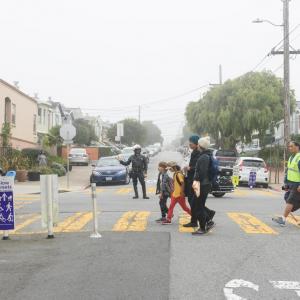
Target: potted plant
{"points": [[34, 174]]}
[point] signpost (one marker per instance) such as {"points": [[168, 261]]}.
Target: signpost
{"points": [[7, 215], [68, 132], [120, 132]]}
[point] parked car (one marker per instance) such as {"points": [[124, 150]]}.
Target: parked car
{"points": [[146, 153], [245, 165], [79, 156], [109, 170], [226, 158]]}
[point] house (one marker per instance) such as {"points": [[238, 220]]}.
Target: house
{"points": [[20, 111], [100, 127]]}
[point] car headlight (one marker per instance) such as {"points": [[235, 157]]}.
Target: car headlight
{"points": [[122, 172], [96, 173]]}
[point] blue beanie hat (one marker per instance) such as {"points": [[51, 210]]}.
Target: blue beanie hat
{"points": [[194, 139]]}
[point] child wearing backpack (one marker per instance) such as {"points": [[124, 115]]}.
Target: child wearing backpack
{"points": [[163, 189], [177, 195]]}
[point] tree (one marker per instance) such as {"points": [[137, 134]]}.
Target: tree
{"points": [[134, 132], [85, 133], [239, 108], [53, 137], [153, 133]]}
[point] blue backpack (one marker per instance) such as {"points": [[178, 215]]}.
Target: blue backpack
{"points": [[213, 169]]}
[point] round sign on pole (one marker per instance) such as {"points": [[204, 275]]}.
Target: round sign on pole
{"points": [[67, 132]]}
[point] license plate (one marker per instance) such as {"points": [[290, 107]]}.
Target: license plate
{"points": [[108, 178]]}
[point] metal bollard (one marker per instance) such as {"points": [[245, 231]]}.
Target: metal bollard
{"points": [[95, 234], [49, 208], [5, 235]]}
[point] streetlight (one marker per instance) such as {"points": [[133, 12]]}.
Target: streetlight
{"points": [[258, 21]]}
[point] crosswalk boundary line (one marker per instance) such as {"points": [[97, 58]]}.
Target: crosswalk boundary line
{"points": [[123, 222], [81, 222], [139, 222], [184, 219], [26, 223]]}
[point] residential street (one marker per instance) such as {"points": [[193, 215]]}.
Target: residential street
{"points": [[137, 258]]}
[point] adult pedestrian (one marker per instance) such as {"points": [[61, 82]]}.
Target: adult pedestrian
{"points": [[202, 184], [139, 170], [292, 184], [42, 159]]}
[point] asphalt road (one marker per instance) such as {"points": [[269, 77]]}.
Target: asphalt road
{"points": [[245, 256]]}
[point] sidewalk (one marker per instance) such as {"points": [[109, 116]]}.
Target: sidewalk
{"points": [[276, 186], [79, 179]]}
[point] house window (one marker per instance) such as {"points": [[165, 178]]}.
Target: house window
{"points": [[40, 115], [7, 117], [13, 114], [34, 124]]}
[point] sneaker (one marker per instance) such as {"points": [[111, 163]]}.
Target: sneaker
{"points": [[279, 220], [145, 197], [188, 225], [166, 222], [160, 220], [212, 215], [135, 197], [210, 225], [199, 232]]}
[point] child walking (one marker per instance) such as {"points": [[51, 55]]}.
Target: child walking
{"points": [[163, 189], [178, 192]]}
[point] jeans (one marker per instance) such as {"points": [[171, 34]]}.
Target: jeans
{"points": [[182, 203], [202, 213], [163, 205]]}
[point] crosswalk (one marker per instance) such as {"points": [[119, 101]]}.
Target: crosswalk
{"points": [[140, 221]]}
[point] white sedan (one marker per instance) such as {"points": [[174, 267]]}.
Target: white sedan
{"points": [[245, 165]]}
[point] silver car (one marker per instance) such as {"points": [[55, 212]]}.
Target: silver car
{"points": [[79, 156]]}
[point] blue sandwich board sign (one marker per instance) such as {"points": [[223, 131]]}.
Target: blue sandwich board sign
{"points": [[7, 214]]}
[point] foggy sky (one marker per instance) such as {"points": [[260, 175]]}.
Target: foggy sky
{"points": [[108, 57]]}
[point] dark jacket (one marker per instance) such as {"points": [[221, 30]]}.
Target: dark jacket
{"points": [[193, 161], [139, 163], [203, 168], [163, 184]]}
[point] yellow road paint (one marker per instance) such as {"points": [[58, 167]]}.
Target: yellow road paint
{"points": [[79, 223], [33, 218], [292, 221], [250, 224], [124, 221], [124, 191], [132, 221], [240, 193], [151, 190], [184, 219], [65, 224], [140, 221], [98, 191], [265, 193]]}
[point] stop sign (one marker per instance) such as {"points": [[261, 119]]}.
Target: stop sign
{"points": [[67, 132]]}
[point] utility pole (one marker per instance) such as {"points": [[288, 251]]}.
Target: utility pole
{"points": [[286, 62], [220, 75]]}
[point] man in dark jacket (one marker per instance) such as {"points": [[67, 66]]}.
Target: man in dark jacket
{"points": [[139, 170], [202, 180]]}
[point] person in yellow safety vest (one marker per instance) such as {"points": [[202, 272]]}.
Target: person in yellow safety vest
{"points": [[292, 183]]}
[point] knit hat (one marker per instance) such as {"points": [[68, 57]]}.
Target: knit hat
{"points": [[204, 142], [194, 139]]}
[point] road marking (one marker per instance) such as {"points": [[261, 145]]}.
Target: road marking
{"points": [[292, 221], [152, 190], [79, 223], [124, 191], [98, 190], [266, 193], [184, 219], [240, 193], [64, 225], [250, 224], [33, 218], [237, 283], [124, 221], [132, 221]]}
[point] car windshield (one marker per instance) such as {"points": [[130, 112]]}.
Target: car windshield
{"points": [[108, 163], [78, 151], [253, 163], [226, 153]]}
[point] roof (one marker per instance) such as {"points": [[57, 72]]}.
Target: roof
{"points": [[17, 90], [251, 158]]}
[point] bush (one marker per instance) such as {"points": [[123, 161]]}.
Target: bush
{"points": [[272, 156], [14, 160], [57, 159], [58, 169], [32, 155]]}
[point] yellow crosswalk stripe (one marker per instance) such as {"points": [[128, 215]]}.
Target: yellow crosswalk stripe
{"points": [[33, 218], [294, 222], [67, 222], [250, 224], [79, 223], [132, 221], [151, 190], [140, 221], [124, 221], [184, 219], [124, 191]]}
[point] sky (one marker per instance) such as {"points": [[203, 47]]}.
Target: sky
{"points": [[109, 57]]}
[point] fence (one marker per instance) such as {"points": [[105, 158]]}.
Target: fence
{"points": [[5, 151]]}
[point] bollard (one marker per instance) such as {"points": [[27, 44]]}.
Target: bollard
{"points": [[49, 207], [95, 234]]}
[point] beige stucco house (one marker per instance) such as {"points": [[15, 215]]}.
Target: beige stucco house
{"points": [[20, 110]]}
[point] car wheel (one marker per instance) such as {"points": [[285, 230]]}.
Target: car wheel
{"points": [[265, 185], [218, 195]]}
